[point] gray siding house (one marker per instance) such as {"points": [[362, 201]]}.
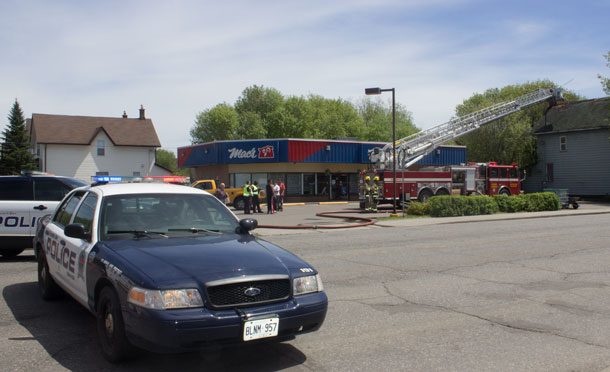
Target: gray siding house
{"points": [[573, 145]]}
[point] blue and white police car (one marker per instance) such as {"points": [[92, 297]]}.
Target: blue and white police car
{"points": [[169, 268], [23, 200]]}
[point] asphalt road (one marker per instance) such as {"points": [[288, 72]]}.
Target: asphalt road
{"points": [[501, 295]]}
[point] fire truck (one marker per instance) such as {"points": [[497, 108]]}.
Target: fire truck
{"points": [[471, 179], [415, 182]]}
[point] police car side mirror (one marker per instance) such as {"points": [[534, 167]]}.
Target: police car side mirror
{"points": [[76, 230], [246, 224]]}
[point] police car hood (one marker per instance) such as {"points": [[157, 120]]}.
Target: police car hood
{"points": [[168, 261]]}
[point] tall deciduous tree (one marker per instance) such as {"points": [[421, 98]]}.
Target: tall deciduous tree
{"points": [[218, 123], [510, 139], [604, 80], [16, 155], [167, 159], [264, 113], [377, 117], [255, 107]]}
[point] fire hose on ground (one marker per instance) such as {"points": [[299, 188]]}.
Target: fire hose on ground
{"points": [[330, 214]]}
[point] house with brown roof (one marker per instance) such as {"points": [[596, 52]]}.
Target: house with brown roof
{"points": [[573, 149], [86, 146]]}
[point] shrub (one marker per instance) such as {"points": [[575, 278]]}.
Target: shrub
{"points": [[541, 201], [450, 206], [510, 204], [417, 209]]}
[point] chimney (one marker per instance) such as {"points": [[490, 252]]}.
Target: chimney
{"points": [[124, 114], [142, 117]]}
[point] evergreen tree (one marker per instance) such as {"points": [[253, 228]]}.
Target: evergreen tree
{"points": [[16, 155]]}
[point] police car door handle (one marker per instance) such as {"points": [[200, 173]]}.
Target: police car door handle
{"points": [[41, 207]]}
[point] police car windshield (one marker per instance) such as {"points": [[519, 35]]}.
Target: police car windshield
{"points": [[168, 215]]}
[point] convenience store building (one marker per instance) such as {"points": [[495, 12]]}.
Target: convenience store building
{"points": [[312, 170]]}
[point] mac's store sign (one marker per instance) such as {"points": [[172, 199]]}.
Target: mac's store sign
{"points": [[250, 152]]}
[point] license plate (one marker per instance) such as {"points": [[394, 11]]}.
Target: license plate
{"points": [[261, 328]]}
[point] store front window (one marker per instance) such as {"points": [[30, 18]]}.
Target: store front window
{"points": [[334, 186], [323, 188]]}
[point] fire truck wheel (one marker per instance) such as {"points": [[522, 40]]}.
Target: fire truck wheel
{"points": [[505, 192], [442, 192], [424, 195]]}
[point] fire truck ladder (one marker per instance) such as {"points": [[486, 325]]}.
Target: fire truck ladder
{"points": [[412, 148]]}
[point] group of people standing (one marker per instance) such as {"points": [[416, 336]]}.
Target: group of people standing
{"points": [[273, 191]]}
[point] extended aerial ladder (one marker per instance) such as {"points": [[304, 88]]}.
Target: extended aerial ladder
{"points": [[412, 148]]}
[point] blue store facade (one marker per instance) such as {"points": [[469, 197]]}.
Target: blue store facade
{"points": [[313, 170]]}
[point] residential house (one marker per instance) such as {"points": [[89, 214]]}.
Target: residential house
{"points": [[573, 145], [86, 146]]}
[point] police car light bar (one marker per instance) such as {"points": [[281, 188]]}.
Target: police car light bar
{"points": [[173, 179]]}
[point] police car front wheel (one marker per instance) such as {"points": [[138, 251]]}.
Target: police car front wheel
{"points": [[49, 290], [111, 328]]}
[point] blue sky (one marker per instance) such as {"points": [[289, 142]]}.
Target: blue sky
{"points": [[98, 58]]}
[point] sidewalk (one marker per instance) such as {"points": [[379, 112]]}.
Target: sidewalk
{"points": [[300, 214]]}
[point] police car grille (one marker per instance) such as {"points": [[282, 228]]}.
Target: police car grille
{"points": [[234, 294]]}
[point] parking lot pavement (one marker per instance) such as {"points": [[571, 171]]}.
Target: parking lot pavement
{"points": [[298, 215]]}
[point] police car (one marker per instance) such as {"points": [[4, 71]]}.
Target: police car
{"points": [[23, 200], [169, 268]]}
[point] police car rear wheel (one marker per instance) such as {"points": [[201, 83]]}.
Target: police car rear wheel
{"points": [[8, 253], [49, 290], [110, 327]]}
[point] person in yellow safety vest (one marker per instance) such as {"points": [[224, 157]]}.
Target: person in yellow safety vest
{"points": [[375, 194], [256, 205], [367, 193], [247, 197]]}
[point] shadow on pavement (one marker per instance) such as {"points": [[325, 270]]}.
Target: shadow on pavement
{"points": [[67, 331]]}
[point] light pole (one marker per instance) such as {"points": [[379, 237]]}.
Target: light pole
{"points": [[373, 91]]}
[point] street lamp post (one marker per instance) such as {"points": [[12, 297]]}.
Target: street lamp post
{"points": [[373, 91]]}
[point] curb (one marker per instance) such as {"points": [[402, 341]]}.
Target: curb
{"points": [[481, 218]]}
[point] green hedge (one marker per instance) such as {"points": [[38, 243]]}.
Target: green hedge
{"points": [[448, 206], [417, 209], [451, 206]]}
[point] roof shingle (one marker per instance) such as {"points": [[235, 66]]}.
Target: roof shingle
{"points": [[81, 130], [589, 114]]}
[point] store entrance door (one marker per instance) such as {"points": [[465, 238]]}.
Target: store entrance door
{"points": [[340, 187]]}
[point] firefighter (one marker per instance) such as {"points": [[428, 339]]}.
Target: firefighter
{"points": [[367, 194], [374, 194]]}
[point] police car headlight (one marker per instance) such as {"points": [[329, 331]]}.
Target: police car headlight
{"points": [[165, 299], [307, 284]]}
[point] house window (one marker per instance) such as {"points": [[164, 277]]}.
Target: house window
{"points": [[563, 143], [101, 151]]}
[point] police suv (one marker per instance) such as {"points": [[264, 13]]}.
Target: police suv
{"points": [[170, 268], [23, 200]]}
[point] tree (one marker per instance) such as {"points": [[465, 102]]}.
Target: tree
{"points": [[167, 159], [218, 123], [16, 155], [510, 139], [377, 117], [264, 113], [254, 107], [604, 80]]}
